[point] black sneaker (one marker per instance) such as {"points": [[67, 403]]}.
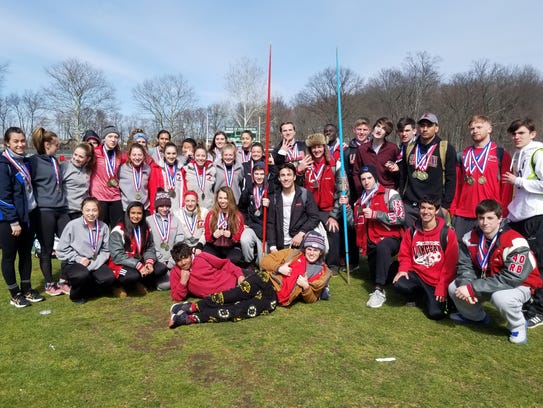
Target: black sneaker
{"points": [[19, 301], [534, 321], [33, 296]]}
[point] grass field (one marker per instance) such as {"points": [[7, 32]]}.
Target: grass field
{"points": [[120, 353]]}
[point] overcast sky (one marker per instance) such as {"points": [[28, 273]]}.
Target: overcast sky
{"points": [[136, 40]]}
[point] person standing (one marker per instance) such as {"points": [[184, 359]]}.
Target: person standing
{"points": [[480, 169], [17, 201], [526, 207]]}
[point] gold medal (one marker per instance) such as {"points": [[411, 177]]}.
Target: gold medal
{"points": [[482, 180], [165, 246], [171, 193], [137, 196], [420, 175], [469, 180], [112, 182]]}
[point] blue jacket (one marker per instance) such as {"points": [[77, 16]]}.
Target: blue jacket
{"points": [[13, 202]]}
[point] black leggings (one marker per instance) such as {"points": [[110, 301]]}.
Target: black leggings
{"points": [[85, 283], [254, 296], [47, 224], [233, 253], [11, 246], [111, 212]]}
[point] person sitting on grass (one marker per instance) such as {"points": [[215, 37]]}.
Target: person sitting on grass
{"points": [[200, 274], [427, 257], [495, 264], [133, 254], [286, 276], [83, 250]]}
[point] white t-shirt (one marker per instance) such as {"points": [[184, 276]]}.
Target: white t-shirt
{"points": [[287, 207]]}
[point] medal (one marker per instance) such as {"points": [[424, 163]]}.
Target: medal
{"points": [[470, 180], [258, 193], [483, 252], [257, 213], [110, 167], [420, 175], [201, 180], [137, 238], [222, 221], [163, 227], [112, 182], [315, 176], [366, 197], [228, 175], [137, 196], [136, 181], [93, 236], [171, 193], [422, 162], [191, 226], [474, 161], [482, 180], [171, 171], [23, 171], [165, 246], [203, 196]]}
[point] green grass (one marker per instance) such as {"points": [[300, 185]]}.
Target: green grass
{"points": [[119, 353]]}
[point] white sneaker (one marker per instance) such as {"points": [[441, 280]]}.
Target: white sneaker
{"points": [[377, 298], [519, 336]]}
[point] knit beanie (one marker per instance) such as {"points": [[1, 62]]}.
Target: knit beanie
{"points": [[162, 198], [110, 129], [369, 169], [91, 134], [259, 165], [314, 240]]}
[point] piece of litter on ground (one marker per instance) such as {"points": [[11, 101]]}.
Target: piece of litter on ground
{"points": [[52, 347], [385, 359], [45, 312]]}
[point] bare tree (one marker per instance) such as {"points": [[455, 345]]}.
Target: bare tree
{"points": [[76, 91], [165, 99], [246, 85], [3, 71], [317, 102]]}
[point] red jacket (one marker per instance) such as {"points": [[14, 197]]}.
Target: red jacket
{"points": [[208, 275], [387, 218], [324, 188], [422, 254], [210, 229], [99, 177]]}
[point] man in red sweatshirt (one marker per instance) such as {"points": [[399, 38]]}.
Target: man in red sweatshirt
{"points": [[427, 257], [201, 274]]}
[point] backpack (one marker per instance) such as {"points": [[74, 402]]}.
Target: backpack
{"points": [[533, 175], [443, 235]]}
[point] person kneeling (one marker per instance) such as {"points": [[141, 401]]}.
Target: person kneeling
{"points": [[495, 263]]}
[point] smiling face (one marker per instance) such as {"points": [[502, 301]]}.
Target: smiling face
{"points": [[427, 212], [312, 254], [258, 176], [79, 157], [90, 211], [286, 178], [246, 140], [228, 155], [136, 156], [135, 215], [288, 132], [185, 263], [256, 153], [187, 149], [220, 141], [200, 157], [489, 223], [16, 143], [170, 155], [331, 133], [51, 147], [163, 210], [222, 200], [361, 132], [317, 151]]}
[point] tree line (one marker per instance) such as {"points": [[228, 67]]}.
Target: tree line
{"points": [[78, 96]]}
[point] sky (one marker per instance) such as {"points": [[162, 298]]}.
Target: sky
{"points": [[135, 40]]}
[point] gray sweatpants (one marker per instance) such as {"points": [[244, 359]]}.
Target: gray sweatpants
{"points": [[508, 302]]}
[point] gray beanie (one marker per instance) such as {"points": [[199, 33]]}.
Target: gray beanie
{"points": [[110, 129]]}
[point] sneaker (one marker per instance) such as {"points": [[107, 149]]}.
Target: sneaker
{"points": [[377, 299], [178, 320], [178, 308], [519, 336], [64, 287], [52, 289], [19, 301], [325, 294], [534, 321], [33, 296], [459, 318]]}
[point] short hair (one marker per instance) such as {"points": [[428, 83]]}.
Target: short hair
{"points": [[258, 144], [170, 144], [479, 118], [489, 205], [87, 200], [12, 130], [403, 122], [330, 125], [432, 200], [361, 121], [516, 124], [286, 123], [249, 133], [180, 251], [386, 123], [289, 166], [189, 140]]}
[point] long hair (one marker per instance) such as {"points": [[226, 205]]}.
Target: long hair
{"points": [[129, 229], [89, 152], [136, 146], [40, 136], [231, 210], [214, 145]]}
